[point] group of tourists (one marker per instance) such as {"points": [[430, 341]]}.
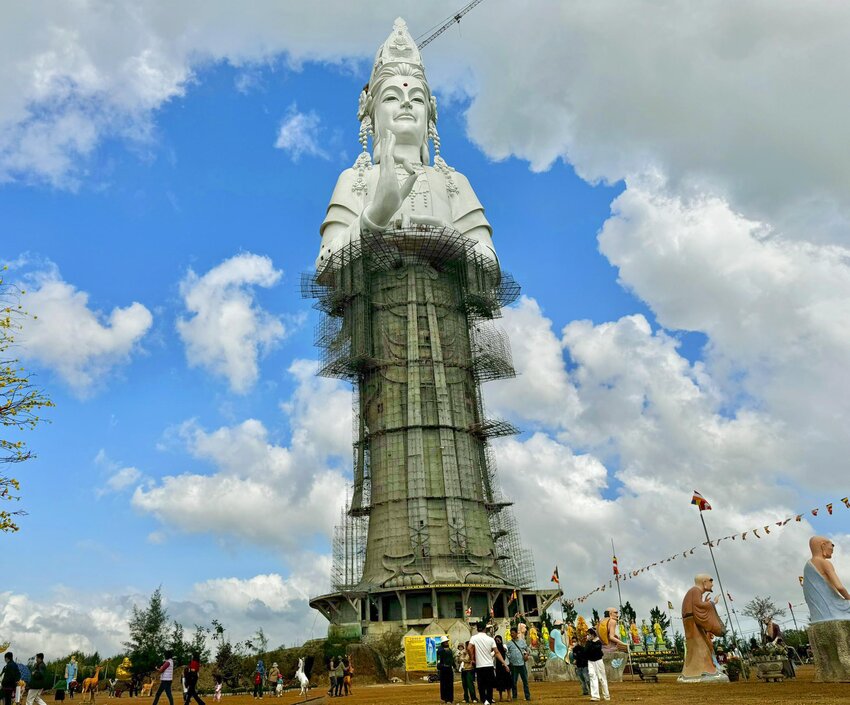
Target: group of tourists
{"points": [[340, 672], [487, 662]]}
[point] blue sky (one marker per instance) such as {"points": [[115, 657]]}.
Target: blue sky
{"points": [[677, 329]]}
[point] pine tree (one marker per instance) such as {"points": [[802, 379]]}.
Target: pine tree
{"points": [[148, 634], [656, 614]]}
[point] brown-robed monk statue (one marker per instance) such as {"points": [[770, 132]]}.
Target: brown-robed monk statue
{"points": [[701, 622]]}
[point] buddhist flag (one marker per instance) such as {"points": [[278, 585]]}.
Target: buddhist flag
{"points": [[846, 501], [815, 511], [468, 611], [700, 501], [729, 595], [669, 605], [829, 507], [513, 597], [801, 580], [616, 568], [555, 578]]}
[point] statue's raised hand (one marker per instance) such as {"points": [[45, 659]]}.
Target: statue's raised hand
{"points": [[389, 194]]}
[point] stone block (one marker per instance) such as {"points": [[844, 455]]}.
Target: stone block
{"points": [[831, 646], [556, 670]]}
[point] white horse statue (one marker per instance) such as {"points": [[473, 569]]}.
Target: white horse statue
{"points": [[302, 678]]}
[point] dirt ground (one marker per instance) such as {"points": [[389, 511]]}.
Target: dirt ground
{"points": [[801, 691]]}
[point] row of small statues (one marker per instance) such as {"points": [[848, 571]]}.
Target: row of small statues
{"points": [[555, 643]]}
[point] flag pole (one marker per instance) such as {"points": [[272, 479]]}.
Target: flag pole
{"points": [[740, 631], [719, 581], [790, 607], [620, 600]]}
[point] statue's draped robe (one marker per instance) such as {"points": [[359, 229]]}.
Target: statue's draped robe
{"points": [[700, 619], [824, 603]]}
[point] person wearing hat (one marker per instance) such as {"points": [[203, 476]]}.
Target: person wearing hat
{"points": [[274, 674]]}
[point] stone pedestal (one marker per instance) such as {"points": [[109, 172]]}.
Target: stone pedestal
{"points": [[831, 646], [615, 664], [556, 670]]}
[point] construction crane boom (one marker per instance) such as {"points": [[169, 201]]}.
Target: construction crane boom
{"points": [[453, 20]]}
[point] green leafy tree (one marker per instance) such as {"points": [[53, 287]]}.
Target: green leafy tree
{"points": [[257, 644], [198, 644], [177, 644], [20, 404], [228, 657], [570, 612], [762, 609], [148, 634], [679, 642], [388, 650], [595, 617], [628, 613]]}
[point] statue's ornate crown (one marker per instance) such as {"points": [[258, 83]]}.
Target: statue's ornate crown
{"points": [[399, 48]]}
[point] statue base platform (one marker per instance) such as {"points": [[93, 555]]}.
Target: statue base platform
{"points": [[718, 677], [555, 669], [615, 664], [831, 646]]}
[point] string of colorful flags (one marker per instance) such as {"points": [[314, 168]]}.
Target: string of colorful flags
{"points": [[703, 505]]}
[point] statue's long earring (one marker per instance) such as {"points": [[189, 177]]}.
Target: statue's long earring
{"points": [[440, 163], [364, 159]]}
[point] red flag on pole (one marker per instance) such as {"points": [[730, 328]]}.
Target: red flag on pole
{"points": [[616, 569], [555, 578]]}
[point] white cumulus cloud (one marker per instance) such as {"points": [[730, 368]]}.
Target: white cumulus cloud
{"points": [[81, 344], [226, 331], [299, 134], [255, 481]]}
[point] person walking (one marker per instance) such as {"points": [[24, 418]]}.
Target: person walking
{"points": [[518, 655], [9, 677], [192, 675], [595, 667], [166, 675], [482, 647], [467, 673], [219, 682], [446, 670], [580, 662], [38, 681]]}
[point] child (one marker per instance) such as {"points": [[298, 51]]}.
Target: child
{"points": [[595, 666], [218, 682]]}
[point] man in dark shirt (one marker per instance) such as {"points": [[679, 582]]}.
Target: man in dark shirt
{"points": [[580, 662]]}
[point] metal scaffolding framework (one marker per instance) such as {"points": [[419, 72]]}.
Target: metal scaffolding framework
{"points": [[409, 322]]}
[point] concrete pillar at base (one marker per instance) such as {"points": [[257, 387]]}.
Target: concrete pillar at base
{"points": [[831, 646]]}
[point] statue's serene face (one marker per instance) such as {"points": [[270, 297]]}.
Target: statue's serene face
{"points": [[402, 109], [708, 585], [828, 548]]}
